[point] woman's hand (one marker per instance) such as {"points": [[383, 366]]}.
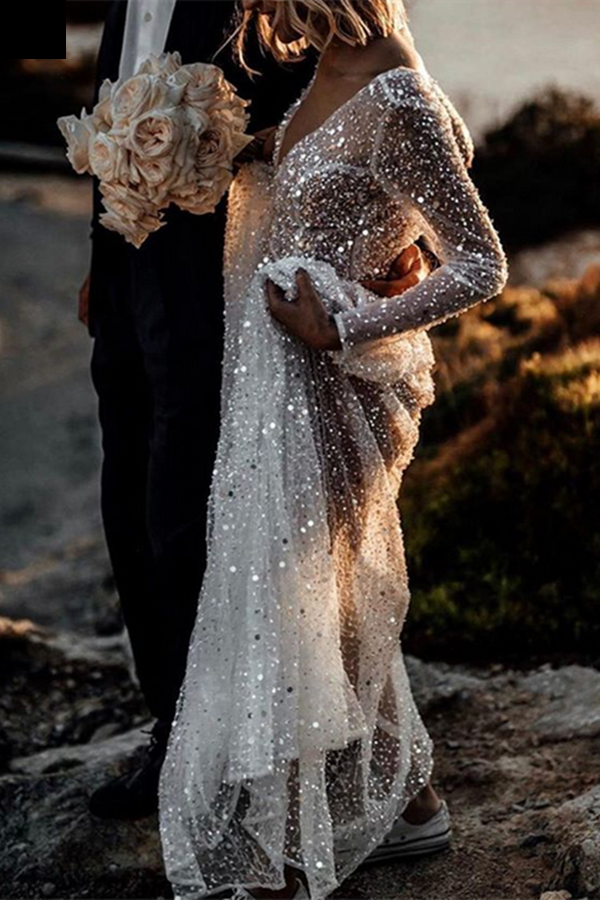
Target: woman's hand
{"points": [[306, 316]]}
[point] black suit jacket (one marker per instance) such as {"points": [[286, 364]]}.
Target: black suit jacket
{"points": [[183, 259]]}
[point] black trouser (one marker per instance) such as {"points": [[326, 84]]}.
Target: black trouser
{"points": [[156, 368]]}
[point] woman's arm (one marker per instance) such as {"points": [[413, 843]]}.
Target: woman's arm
{"points": [[417, 160], [307, 316]]}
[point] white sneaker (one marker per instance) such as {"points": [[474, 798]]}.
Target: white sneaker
{"points": [[405, 839]]}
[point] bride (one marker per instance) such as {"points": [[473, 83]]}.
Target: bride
{"points": [[296, 744]]}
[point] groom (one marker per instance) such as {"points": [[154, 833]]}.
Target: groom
{"points": [[156, 316]]}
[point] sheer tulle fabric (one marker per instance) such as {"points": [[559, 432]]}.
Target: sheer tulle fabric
{"points": [[296, 737]]}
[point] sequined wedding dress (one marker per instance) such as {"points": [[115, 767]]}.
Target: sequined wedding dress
{"points": [[296, 738]]}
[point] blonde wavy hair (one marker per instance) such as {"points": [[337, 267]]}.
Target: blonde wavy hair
{"points": [[355, 22]]}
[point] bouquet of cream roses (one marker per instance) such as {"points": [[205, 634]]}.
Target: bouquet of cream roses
{"points": [[168, 134]]}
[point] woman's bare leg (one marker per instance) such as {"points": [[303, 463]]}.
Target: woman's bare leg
{"points": [[423, 806], [287, 892]]}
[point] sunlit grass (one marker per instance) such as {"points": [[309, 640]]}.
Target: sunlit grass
{"points": [[500, 506]]}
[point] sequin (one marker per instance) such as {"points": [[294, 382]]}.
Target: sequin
{"points": [[296, 738]]}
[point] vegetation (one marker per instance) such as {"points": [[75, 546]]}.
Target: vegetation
{"points": [[500, 505], [538, 173]]}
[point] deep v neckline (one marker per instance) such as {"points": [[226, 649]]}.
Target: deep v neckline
{"points": [[289, 116]]}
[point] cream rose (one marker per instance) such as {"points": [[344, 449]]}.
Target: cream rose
{"points": [[184, 193], [135, 231], [230, 104], [214, 147], [167, 135], [203, 85], [137, 96], [107, 89], [108, 160], [198, 119], [163, 64], [131, 212], [78, 133], [103, 115], [152, 172], [124, 200], [197, 203], [184, 157], [156, 133]]}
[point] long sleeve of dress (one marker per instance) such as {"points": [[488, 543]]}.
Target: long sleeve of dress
{"points": [[418, 160]]}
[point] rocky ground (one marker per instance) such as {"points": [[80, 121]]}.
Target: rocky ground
{"points": [[516, 759], [516, 750]]}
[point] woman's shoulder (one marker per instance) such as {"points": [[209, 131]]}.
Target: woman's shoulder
{"points": [[403, 101], [399, 73], [411, 101], [406, 86]]}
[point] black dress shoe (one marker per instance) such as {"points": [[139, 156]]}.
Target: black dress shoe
{"points": [[135, 793]]}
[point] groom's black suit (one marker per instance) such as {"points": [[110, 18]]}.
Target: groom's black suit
{"points": [[156, 316]]}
